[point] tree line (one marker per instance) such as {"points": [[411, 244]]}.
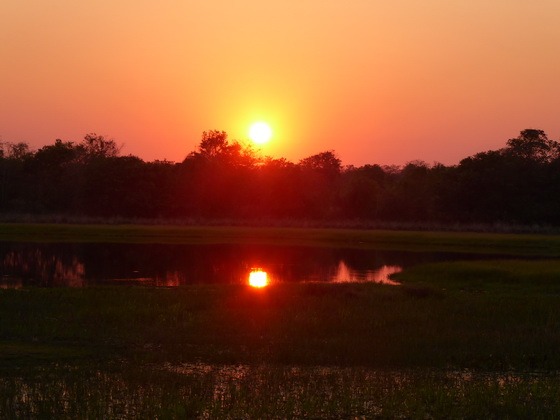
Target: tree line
{"points": [[224, 179]]}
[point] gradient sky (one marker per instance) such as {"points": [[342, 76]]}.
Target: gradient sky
{"points": [[378, 81]]}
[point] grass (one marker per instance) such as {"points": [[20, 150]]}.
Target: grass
{"points": [[513, 244], [476, 339], [364, 224], [274, 392], [513, 277], [490, 315]]}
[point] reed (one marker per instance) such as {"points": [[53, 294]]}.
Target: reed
{"points": [[272, 392]]}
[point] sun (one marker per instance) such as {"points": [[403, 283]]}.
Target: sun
{"points": [[260, 132], [258, 278]]}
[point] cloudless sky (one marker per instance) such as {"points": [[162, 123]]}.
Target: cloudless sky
{"points": [[378, 81]]}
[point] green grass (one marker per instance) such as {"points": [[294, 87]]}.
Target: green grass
{"points": [[502, 322], [475, 339], [386, 352], [513, 244], [513, 277]]}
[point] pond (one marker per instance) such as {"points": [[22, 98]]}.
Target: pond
{"points": [[88, 264]]}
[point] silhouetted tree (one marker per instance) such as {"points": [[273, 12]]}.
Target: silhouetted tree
{"points": [[226, 179], [214, 143], [278, 192], [320, 174], [95, 146], [15, 151], [533, 145], [325, 162], [359, 195], [56, 155], [216, 180], [412, 198], [215, 148], [55, 170], [14, 182]]}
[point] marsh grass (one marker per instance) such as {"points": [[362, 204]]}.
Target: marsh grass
{"points": [[232, 352], [456, 340], [272, 392], [418, 325]]}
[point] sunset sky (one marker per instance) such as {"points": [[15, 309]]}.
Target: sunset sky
{"points": [[378, 81]]}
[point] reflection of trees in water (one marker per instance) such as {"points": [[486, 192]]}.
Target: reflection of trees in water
{"points": [[175, 265], [171, 278], [379, 275], [41, 266]]}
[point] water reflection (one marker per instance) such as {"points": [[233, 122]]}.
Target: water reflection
{"points": [[381, 275], [46, 268], [47, 265], [258, 278], [10, 283]]}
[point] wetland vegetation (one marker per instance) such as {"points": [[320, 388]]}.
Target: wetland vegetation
{"points": [[466, 339]]}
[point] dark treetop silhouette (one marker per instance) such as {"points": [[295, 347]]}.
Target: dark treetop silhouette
{"points": [[226, 179]]}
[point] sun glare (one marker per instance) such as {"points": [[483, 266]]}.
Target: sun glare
{"points": [[258, 278], [260, 132]]}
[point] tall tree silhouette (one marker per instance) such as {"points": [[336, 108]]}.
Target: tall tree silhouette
{"points": [[519, 183], [533, 145]]}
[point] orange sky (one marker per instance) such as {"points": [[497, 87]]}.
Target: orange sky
{"points": [[378, 81]]}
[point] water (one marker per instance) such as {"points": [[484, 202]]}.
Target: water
{"points": [[77, 265]]}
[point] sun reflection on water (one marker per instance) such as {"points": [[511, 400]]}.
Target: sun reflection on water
{"points": [[258, 278]]}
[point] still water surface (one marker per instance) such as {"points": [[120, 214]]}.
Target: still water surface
{"points": [[86, 264]]}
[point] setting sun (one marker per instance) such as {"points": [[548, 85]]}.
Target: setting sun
{"points": [[258, 278], [260, 132]]}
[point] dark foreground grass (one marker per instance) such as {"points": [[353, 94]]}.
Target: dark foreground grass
{"points": [[490, 243], [433, 348], [272, 392]]}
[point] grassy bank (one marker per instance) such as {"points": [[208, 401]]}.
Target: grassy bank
{"points": [[489, 315], [513, 244]]}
